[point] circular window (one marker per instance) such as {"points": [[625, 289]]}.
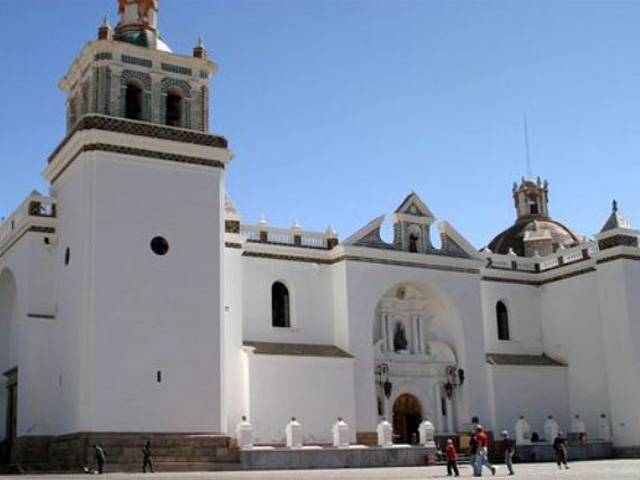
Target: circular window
{"points": [[159, 245]]}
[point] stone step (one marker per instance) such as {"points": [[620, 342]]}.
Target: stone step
{"points": [[176, 467]]}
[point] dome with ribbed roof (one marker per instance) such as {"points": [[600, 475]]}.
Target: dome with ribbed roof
{"points": [[534, 230]]}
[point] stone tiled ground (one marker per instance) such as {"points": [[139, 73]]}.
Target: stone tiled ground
{"points": [[596, 470]]}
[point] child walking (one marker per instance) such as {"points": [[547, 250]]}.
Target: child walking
{"points": [[452, 459]]}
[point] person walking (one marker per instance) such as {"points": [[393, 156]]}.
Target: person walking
{"points": [[100, 457], [482, 457], [509, 448], [473, 452], [560, 447], [147, 458], [452, 459]]}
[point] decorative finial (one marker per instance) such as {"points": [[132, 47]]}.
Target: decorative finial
{"points": [[615, 206], [105, 22], [200, 43]]}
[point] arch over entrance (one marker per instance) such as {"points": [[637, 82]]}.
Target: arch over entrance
{"points": [[418, 339], [407, 415]]}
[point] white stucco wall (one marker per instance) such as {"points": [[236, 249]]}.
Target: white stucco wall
{"points": [[28, 266], [315, 390], [573, 335], [233, 380], [310, 296], [151, 313], [620, 305], [523, 304], [534, 392]]}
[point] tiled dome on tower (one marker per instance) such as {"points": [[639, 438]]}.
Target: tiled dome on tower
{"points": [[534, 230]]}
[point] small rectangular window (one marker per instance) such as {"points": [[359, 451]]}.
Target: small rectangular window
{"points": [[159, 376]]}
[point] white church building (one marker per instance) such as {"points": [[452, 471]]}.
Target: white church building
{"points": [[134, 300]]}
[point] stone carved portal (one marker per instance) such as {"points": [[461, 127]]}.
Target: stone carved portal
{"points": [[417, 334], [407, 415]]}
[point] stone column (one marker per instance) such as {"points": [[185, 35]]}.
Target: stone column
{"points": [[438, 417], [449, 414], [389, 335], [415, 344]]}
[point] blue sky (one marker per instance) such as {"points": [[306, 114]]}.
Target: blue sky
{"points": [[336, 109]]}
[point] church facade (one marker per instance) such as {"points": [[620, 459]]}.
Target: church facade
{"points": [[133, 298]]}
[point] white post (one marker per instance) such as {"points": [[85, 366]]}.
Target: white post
{"points": [[604, 428], [340, 433], [244, 434], [523, 432], [426, 431], [550, 429], [385, 434], [294, 434]]}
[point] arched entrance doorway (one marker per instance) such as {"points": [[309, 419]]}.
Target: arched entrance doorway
{"points": [[407, 415]]}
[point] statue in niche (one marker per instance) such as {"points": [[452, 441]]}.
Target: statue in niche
{"points": [[413, 243], [400, 338]]}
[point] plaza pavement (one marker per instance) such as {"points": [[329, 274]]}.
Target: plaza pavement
{"points": [[594, 470]]}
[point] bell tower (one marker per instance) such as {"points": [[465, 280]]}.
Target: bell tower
{"points": [[140, 188], [130, 72]]}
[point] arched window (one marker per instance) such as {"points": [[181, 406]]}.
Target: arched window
{"points": [[502, 317], [133, 102], [174, 108], [280, 308]]}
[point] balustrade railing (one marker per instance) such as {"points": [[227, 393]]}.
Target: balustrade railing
{"points": [[540, 264], [287, 236], [35, 209]]}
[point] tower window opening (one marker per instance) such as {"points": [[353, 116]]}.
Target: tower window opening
{"points": [[134, 95], [280, 308], [533, 206], [174, 109], [502, 317]]}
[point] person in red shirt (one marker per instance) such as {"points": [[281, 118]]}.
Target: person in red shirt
{"points": [[452, 459], [482, 457]]}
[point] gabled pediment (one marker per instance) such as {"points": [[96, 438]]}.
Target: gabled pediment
{"points": [[367, 235], [414, 206]]}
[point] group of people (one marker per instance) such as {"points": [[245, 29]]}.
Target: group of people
{"points": [[101, 457], [479, 452]]}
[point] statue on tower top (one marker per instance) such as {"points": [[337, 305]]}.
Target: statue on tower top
{"points": [[138, 13], [138, 23]]}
